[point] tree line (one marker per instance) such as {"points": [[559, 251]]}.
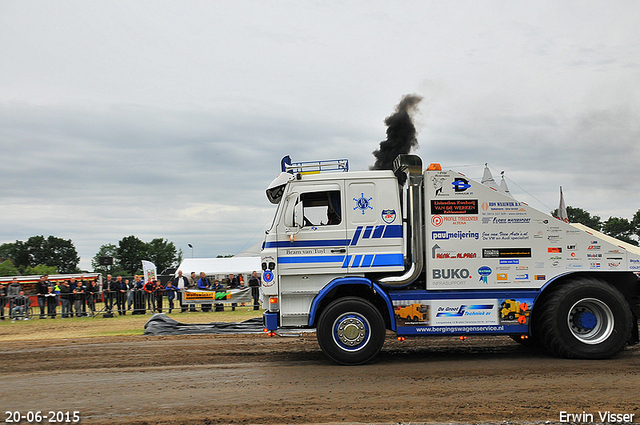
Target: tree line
{"points": [[39, 255], [617, 227]]}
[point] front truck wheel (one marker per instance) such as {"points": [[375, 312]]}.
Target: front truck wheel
{"points": [[585, 319], [351, 331]]}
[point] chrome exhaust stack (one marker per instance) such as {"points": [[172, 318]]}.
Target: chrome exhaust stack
{"points": [[411, 167]]}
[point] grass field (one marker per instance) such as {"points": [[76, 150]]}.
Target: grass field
{"points": [[83, 327]]}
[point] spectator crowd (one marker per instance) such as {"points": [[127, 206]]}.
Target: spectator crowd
{"points": [[79, 296]]}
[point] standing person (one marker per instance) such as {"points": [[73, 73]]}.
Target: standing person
{"points": [[52, 302], [193, 283], [20, 306], [87, 294], [171, 291], [147, 288], [203, 284], [120, 289], [77, 302], [13, 290], [107, 293], [3, 300], [180, 283], [234, 283], [66, 294], [42, 291], [78, 298], [254, 284], [131, 288], [91, 291], [158, 292]]}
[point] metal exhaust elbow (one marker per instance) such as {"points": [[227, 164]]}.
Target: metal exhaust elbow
{"points": [[411, 167]]}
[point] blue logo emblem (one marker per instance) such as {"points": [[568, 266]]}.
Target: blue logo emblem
{"points": [[267, 276], [460, 184], [362, 203]]}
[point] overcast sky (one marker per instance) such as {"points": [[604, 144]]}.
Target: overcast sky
{"points": [[168, 119]]}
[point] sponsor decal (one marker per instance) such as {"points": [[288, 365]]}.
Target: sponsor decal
{"points": [[484, 272], [539, 235], [634, 267], [555, 264], [499, 220], [450, 274], [574, 257], [509, 261], [502, 276], [539, 265], [634, 260], [438, 220], [523, 276], [503, 206], [442, 235], [436, 253], [554, 250], [465, 310], [554, 238], [437, 181], [388, 216], [571, 247], [458, 206], [573, 232], [539, 277], [506, 252], [593, 256], [595, 265], [460, 184], [614, 264], [594, 247], [363, 204], [505, 236], [574, 266]]}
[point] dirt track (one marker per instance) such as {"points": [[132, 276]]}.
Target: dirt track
{"points": [[256, 379]]}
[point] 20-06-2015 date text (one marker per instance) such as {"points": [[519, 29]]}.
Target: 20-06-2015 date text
{"points": [[38, 416]]}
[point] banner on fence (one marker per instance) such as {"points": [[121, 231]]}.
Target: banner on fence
{"points": [[196, 296]]}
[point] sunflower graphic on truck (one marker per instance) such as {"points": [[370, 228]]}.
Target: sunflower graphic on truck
{"points": [[514, 310], [413, 312]]}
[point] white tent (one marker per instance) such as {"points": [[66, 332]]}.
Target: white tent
{"points": [[220, 266]]}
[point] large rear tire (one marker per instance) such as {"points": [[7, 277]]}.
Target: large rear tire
{"points": [[351, 331], [586, 319]]}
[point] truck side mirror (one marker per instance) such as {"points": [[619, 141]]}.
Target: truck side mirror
{"points": [[298, 215], [289, 212]]}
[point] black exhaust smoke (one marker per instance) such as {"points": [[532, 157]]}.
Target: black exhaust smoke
{"points": [[401, 134]]}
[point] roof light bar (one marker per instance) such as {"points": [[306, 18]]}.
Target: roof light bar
{"points": [[313, 167]]}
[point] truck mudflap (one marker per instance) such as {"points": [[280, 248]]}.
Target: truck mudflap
{"points": [[374, 287], [462, 312]]}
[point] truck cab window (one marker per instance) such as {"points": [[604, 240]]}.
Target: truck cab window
{"points": [[321, 208]]}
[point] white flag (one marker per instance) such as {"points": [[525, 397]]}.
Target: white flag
{"points": [[149, 271]]}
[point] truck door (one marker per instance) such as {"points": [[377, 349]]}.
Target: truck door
{"points": [[374, 226], [312, 233]]}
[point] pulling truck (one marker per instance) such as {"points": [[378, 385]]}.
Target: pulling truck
{"points": [[347, 249]]}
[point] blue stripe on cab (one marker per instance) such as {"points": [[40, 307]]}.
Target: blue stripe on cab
{"points": [[394, 231], [386, 260]]}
